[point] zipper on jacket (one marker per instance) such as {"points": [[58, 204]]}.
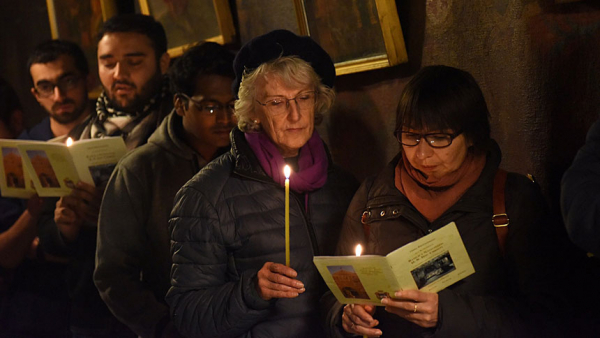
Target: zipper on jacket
{"points": [[195, 165], [309, 228]]}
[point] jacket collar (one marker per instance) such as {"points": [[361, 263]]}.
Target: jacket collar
{"points": [[246, 163], [476, 198], [41, 131], [169, 136]]}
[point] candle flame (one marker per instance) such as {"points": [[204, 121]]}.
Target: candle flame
{"points": [[358, 250], [287, 171], [69, 142]]}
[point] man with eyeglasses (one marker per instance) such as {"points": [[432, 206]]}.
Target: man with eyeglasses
{"points": [[133, 236], [38, 304], [59, 72]]}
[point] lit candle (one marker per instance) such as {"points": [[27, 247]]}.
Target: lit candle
{"points": [[287, 171], [358, 251], [68, 182]]}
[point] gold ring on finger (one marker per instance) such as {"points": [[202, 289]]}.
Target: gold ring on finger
{"points": [[415, 310]]}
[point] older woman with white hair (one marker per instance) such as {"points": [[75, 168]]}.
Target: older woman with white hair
{"points": [[229, 278]]}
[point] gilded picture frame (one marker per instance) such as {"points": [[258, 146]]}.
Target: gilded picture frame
{"points": [[188, 22], [360, 35]]}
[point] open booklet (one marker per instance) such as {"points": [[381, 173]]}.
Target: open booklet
{"points": [[53, 169], [429, 264]]}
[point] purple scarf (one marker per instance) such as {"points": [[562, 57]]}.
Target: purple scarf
{"points": [[312, 162]]}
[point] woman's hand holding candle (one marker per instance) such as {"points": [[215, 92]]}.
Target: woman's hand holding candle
{"points": [[287, 171], [276, 280], [358, 319]]}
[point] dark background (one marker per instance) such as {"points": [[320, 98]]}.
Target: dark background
{"points": [[538, 63]]}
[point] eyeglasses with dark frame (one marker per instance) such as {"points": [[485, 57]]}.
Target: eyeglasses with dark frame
{"points": [[434, 140], [305, 100], [45, 89], [210, 107]]}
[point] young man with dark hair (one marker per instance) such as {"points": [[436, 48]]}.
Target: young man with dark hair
{"points": [[38, 304], [132, 63], [133, 237], [59, 72]]}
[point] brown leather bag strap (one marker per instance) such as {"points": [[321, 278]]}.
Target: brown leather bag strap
{"points": [[366, 225], [500, 218]]}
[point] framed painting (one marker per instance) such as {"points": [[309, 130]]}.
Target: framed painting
{"points": [[188, 22], [79, 21], [359, 35], [258, 17]]}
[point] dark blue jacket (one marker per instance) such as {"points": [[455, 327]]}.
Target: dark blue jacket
{"points": [[12, 208], [39, 132], [227, 222], [36, 302], [580, 194]]}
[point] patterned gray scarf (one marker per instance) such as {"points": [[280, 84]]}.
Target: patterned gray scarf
{"points": [[133, 127]]}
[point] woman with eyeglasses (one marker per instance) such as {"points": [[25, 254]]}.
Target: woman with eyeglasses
{"points": [[444, 173], [229, 276]]}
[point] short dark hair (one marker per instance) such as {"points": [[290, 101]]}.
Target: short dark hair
{"points": [[208, 58], [443, 98], [137, 23], [9, 101], [51, 50]]}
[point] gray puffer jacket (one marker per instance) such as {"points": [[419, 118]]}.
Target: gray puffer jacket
{"points": [[227, 222]]}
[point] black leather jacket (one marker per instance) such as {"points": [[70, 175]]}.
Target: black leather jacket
{"points": [[514, 296]]}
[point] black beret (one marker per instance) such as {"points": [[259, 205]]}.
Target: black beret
{"points": [[278, 43]]}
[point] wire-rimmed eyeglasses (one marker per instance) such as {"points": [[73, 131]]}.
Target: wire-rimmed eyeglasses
{"points": [[279, 105], [210, 107]]}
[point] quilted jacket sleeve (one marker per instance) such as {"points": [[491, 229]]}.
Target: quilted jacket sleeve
{"points": [[580, 195], [207, 298], [120, 249], [535, 261]]}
